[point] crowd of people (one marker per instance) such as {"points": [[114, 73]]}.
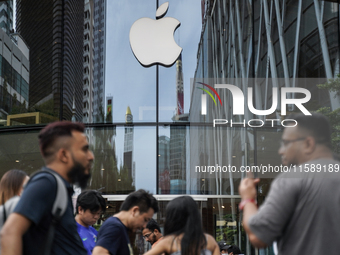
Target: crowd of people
{"points": [[32, 222]]}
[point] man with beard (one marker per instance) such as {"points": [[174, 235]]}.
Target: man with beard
{"points": [[65, 150], [301, 210], [90, 205], [152, 233]]}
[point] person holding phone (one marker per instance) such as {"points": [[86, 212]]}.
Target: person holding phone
{"points": [[302, 205]]}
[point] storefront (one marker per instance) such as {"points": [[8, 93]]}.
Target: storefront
{"points": [[161, 127]]}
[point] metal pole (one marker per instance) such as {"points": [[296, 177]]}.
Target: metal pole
{"points": [[157, 120]]}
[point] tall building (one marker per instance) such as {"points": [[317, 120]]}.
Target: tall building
{"points": [[163, 164], [128, 145], [99, 21], [6, 16], [14, 77], [54, 32], [177, 144], [179, 86], [88, 61]]}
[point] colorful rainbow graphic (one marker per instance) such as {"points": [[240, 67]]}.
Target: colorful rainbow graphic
{"points": [[213, 90]]}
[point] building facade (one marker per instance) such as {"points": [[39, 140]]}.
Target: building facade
{"points": [[6, 16], [15, 72], [259, 46], [99, 19], [53, 31], [88, 61]]}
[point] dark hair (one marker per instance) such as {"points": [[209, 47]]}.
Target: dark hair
{"points": [[10, 184], [234, 249], [152, 225], [141, 198], [183, 216], [51, 132], [92, 200], [316, 125]]}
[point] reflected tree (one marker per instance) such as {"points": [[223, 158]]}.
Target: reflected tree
{"points": [[333, 85], [105, 170], [125, 181]]}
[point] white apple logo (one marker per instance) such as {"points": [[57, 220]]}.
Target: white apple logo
{"points": [[152, 41]]}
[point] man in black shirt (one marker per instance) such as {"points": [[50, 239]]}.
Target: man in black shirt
{"points": [[135, 212], [65, 150]]}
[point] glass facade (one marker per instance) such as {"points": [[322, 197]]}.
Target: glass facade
{"points": [[72, 60]]}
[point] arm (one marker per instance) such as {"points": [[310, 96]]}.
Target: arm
{"points": [[12, 232], [247, 190], [98, 250], [212, 245], [163, 247]]}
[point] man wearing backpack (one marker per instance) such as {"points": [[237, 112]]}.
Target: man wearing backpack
{"points": [[66, 153]]}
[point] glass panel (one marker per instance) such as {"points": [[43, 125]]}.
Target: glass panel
{"points": [[218, 158], [125, 159], [20, 151], [127, 81], [220, 218], [174, 82]]}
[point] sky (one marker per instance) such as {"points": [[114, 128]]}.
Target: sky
{"points": [[131, 84]]}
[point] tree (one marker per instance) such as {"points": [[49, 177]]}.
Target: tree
{"points": [[333, 85]]}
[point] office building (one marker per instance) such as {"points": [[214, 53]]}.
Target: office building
{"points": [[6, 16], [99, 33], [53, 31], [14, 78]]}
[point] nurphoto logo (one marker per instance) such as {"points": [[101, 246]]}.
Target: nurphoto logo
{"points": [[238, 100]]}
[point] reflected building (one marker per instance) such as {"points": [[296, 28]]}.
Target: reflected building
{"points": [[53, 31], [128, 146], [14, 79], [274, 47], [178, 136], [88, 61], [99, 43], [6, 16], [163, 164]]}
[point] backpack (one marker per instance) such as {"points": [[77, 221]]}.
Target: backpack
{"points": [[58, 208]]}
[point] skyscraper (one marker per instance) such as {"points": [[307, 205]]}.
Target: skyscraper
{"points": [[99, 58], [6, 16], [128, 145], [177, 143], [88, 61], [53, 30], [179, 86]]}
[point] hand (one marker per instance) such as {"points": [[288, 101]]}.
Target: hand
{"points": [[247, 188]]}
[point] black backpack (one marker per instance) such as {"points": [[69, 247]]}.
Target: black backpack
{"points": [[58, 209]]}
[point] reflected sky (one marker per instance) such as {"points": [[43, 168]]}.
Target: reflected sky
{"points": [[144, 155], [127, 81]]}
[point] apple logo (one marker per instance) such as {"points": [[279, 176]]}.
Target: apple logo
{"points": [[152, 41]]}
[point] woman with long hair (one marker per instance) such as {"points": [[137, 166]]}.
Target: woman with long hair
{"points": [[183, 231], [11, 186]]}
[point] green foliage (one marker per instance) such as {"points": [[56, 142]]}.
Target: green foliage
{"points": [[333, 85], [17, 107], [46, 107], [105, 158], [227, 233]]}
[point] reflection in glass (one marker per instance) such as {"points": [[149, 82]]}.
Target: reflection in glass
{"points": [[20, 151], [220, 218], [124, 158]]}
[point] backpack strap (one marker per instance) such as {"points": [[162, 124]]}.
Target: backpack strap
{"points": [[60, 203], [4, 214], [58, 209]]}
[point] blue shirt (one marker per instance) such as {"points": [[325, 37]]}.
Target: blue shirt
{"points": [[88, 236], [113, 236], [36, 204]]}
